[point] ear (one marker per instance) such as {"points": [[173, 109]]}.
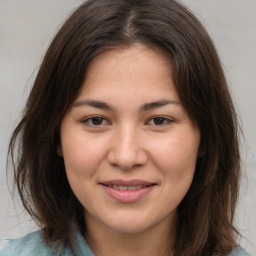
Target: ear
{"points": [[59, 151]]}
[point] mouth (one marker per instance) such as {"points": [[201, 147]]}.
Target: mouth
{"points": [[127, 191], [123, 188]]}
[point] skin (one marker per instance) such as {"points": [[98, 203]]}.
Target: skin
{"points": [[129, 142]]}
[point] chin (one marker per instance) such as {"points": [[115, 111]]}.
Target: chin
{"points": [[130, 224]]}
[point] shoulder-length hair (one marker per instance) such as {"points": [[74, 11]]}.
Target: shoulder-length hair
{"points": [[205, 216]]}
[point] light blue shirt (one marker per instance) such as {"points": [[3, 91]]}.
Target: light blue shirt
{"points": [[34, 245]]}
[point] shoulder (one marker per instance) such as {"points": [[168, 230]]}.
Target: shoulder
{"points": [[29, 245], [239, 252], [33, 244]]}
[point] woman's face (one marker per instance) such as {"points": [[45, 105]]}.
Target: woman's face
{"points": [[129, 147]]}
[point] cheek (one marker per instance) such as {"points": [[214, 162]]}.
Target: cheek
{"points": [[176, 157], [82, 160], [81, 157]]}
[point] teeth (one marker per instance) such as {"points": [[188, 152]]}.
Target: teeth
{"points": [[122, 188], [131, 188]]}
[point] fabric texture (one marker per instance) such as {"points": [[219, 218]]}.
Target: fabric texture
{"points": [[239, 252], [34, 245]]}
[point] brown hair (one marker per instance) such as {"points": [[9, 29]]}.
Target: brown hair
{"points": [[205, 216]]}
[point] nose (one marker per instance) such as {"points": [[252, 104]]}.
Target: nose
{"points": [[127, 149]]}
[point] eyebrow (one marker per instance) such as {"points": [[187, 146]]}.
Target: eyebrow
{"points": [[143, 108], [157, 104], [94, 103]]}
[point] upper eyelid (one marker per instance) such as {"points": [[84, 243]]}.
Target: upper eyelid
{"points": [[92, 116], [169, 119], [86, 119], [164, 117]]}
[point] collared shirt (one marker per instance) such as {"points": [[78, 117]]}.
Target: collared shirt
{"points": [[34, 245]]}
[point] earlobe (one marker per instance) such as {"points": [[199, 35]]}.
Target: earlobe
{"points": [[59, 151]]}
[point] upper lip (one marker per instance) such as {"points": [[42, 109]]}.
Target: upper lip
{"points": [[127, 183]]}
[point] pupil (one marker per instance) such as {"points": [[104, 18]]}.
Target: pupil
{"points": [[97, 120], [158, 120]]}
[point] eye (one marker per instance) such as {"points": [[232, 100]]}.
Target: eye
{"points": [[160, 121], [95, 121]]}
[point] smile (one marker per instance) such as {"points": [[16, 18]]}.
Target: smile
{"points": [[127, 191], [123, 188]]}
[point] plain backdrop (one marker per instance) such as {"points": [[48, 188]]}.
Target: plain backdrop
{"points": [[26, 28]]}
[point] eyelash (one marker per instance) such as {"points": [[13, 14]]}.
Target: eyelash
{"points": [[89, 121], [165, 120]]}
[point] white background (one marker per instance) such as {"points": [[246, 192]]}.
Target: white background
{"points": [[26, 28]]}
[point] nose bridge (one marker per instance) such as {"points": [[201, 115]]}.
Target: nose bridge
{"points": [[126, 150], [127, 142]]}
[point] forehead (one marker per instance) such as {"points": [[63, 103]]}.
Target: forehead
{"points": [[136, 51], [137, 66]]}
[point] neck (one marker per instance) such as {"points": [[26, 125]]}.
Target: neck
{"points": [[151, 242]]}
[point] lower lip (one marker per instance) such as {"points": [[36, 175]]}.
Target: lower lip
{"points": [[127, 196]]}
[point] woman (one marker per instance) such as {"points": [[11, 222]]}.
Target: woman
{"points": [[128, 144]]}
